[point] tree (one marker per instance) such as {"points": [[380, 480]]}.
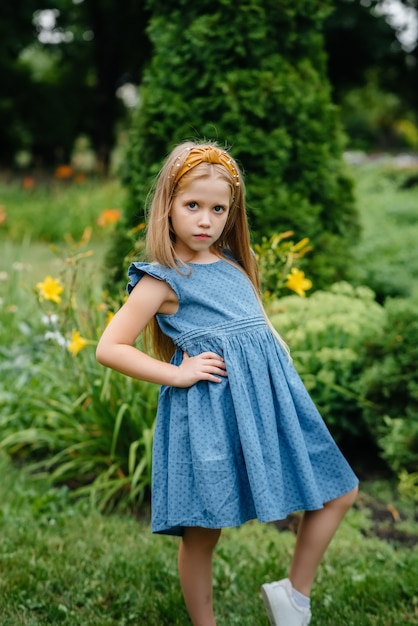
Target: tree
{"points": [[91, 48], [253, 76], [373, 74], [119, 50], [96, 46], [16, 32], [357, 38]]}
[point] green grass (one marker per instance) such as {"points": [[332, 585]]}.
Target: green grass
{"points": [[387, 252], [30, 261], [63, 563], [49, 212], [51, 218]]}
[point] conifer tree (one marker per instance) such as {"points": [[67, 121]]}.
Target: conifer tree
{"points": [[251, 75]]}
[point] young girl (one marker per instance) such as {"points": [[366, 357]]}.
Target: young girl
{"points": [[237, 436]]}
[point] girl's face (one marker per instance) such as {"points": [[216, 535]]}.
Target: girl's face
{"points": [[198, 217]]}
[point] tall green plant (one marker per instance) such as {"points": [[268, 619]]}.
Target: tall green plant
{"points": [[60, 411], [253, 76]]}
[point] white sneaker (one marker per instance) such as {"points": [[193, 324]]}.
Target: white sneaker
{"points": [[281, 608]]}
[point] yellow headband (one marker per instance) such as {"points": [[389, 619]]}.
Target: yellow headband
{"points": [[205, 155]]}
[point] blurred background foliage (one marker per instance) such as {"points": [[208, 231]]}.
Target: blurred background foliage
{"points": [[289, 85], [94, 92], [68, 67]]}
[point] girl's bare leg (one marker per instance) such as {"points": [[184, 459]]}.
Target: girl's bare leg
{"points": [[195, 569], [316, 530]]}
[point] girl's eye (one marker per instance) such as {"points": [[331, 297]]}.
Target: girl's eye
{"points": [[218, 209], [192, 205]]}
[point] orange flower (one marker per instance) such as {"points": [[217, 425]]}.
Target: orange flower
{"points": [[3, 214], [63, 172], [28, 182], [109, 216], [79, 178]]}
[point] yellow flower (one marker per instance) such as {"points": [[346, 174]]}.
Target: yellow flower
{"points": [[50, 289], [297, 281], [137, 228], [109, 317], [77, 343]]}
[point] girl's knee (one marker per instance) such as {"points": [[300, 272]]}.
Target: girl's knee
{"points": [[205, 538], [352, 495], [347, 500]]}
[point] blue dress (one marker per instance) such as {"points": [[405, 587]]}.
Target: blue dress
{"points": [[252, 446]]}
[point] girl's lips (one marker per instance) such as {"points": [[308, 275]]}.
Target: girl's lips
{"points": [[202, 236]]}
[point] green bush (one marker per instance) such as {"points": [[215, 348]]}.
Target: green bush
{"points": [[253, 76], [358, 360], [327, 334], [389, 384]]}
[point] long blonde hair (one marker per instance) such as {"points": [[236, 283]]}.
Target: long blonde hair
{"points": [[160, 238]]}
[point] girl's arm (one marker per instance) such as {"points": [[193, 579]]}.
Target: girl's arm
{"points": [[116, 346]]}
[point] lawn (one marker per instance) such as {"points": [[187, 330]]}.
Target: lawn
{"points": [[63, 563]]}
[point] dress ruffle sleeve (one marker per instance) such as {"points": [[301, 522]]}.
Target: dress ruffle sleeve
{"points": [[138, 270]]}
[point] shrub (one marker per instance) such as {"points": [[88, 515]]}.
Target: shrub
{"points": [[389, 385], [252, 76], [327, 334]]}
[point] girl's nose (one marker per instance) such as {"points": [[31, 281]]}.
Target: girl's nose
{"points": [[204, 219]]}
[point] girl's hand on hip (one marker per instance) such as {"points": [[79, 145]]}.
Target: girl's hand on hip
{"points": [[205, 366]]}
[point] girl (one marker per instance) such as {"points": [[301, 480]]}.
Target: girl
{"points": [[237, 437]]}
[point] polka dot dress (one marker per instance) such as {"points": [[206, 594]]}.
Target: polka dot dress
{"points": [[252, 446]]}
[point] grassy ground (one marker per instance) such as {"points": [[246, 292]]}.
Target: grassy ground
{"points": [[52, 209], [61, 563], [387, 254], [53, 215]]}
